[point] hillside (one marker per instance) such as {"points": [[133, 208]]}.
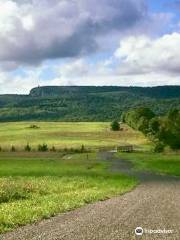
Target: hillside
{"points": [[157, 92], [85, 103]]}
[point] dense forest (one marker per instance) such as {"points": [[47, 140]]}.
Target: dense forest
{"points": [[86, 103], [162, 130]]}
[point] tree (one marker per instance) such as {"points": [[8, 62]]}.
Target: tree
{"points": [[13, 149], [53, 149], [154, 126], [143, 125], [159, 147], [27, 148], [139, 118], [169, 132], [42, 148], [82, 149], [115, 126]]}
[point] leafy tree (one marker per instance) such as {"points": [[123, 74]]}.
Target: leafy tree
{"points": [[139, 118], [123, 117], [159, 147], [53, 149], [115, 126], [169, 132], [33, 126], [82, 149], [154, 126], [42, 148], [13, 149], [27, 148], [143, 125]]}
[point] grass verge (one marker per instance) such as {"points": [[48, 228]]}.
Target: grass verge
{"points": [[35, 187], [163, 163]]}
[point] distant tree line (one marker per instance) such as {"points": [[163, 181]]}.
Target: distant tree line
{"points": [[163, 130], [45, 148], [85, 103]]}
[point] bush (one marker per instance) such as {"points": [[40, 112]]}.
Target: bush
{"points": [[13, 149], [27, 148], [83, 149], [11, 191], [115, 126], [0, 149], [65, 149], [33, 126], [42, 148], [159, 147], [154, 126], [53, 149]]}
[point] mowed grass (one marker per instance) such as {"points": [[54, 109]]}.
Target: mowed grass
{"points": [[66, 135], [34, 186], [163, 163]]}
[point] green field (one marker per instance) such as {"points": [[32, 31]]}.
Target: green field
{"points": [[163, 163], [66, 135], [39, 185], [36, 185]]}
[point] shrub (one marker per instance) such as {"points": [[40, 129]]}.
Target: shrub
{"points": [[65, 149], [13, 149], [53, 149], [159, 147], [43, 147], [18, 189], [27, 148], [33, 126], [115, 126], [11, 191], [0, 149], [83, 149]]}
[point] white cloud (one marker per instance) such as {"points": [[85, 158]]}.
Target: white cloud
{"points": [[115, 72], [8, 13], [140, 61], [139, 55], [82, 72], [73, 69], [37, 30], [34, 31], [28, 22]]}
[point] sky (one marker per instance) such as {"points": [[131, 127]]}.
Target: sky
{"points": [[88, 42]]}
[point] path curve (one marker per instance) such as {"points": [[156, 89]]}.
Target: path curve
{"points": [[153, 205]]}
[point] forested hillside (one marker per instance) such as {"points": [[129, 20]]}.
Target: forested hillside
{"points": [[86, 103], [164, 130]]}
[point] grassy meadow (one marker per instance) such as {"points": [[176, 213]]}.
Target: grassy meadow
{"points": [[66, 135], [162, 163], [36, 185], [39, 185]]}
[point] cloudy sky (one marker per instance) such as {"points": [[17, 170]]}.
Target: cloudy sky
{"points": [[88, 42]]}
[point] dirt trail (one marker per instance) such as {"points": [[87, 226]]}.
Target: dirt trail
{"points": [[153, 205]]}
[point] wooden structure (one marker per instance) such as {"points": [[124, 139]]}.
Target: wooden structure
{"points": [[126, 148], [123, 148]]}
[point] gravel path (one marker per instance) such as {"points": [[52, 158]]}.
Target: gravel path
{"points": [[153, 205]]}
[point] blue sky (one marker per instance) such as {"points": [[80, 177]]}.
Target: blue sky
{"points": [[159, 6], [85, 42]]}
